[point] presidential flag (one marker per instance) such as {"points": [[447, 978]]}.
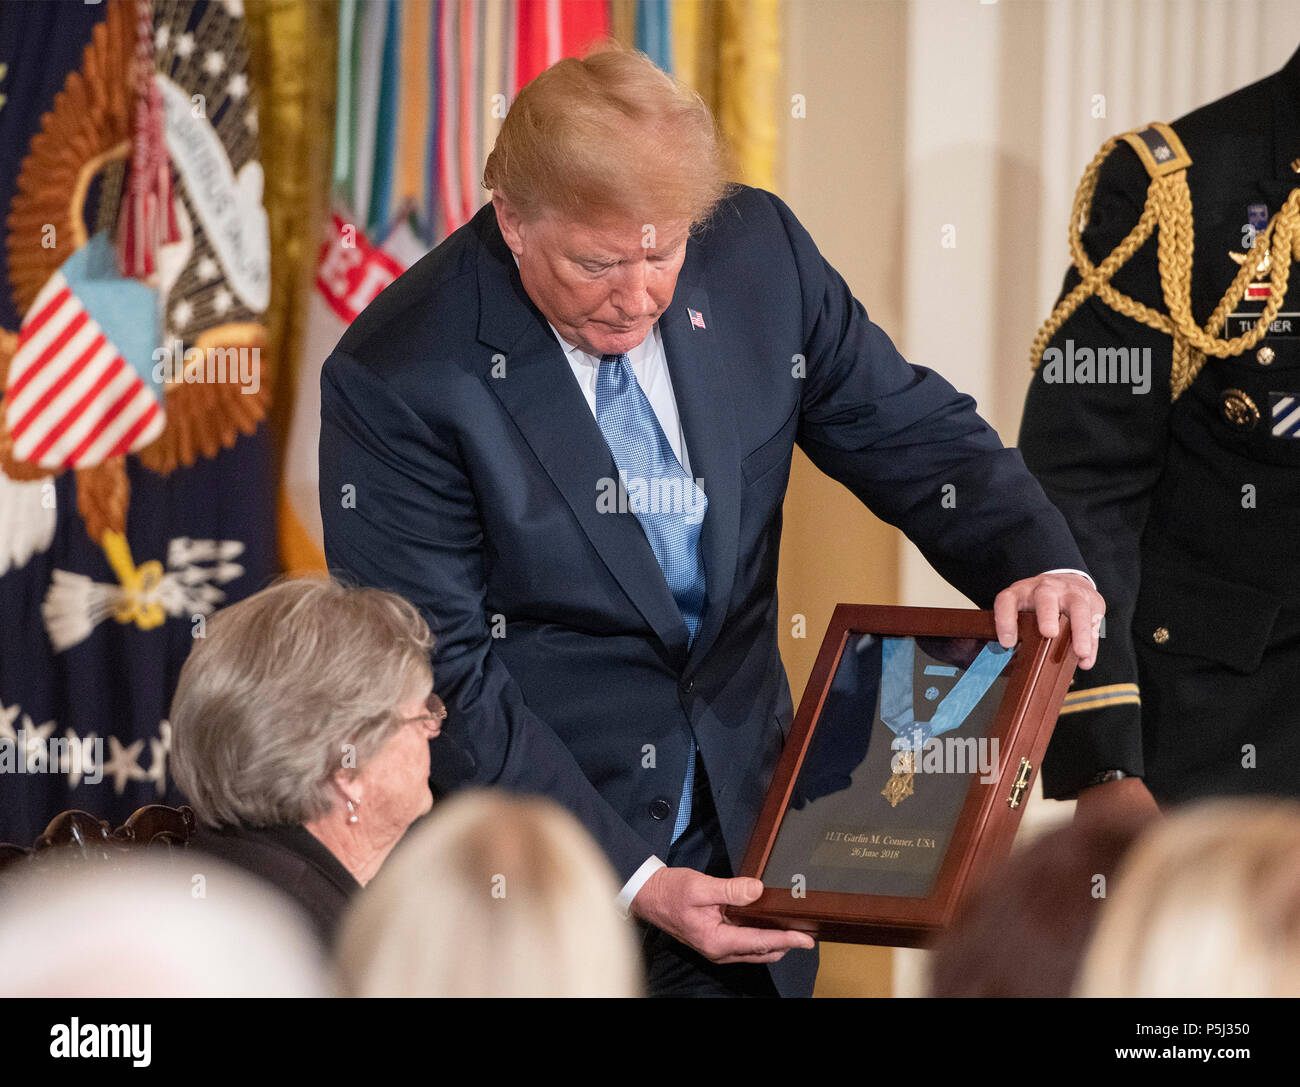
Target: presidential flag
{"points": [[135, 480]]}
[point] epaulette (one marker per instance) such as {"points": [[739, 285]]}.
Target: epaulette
{"points": [[1159, 148]]}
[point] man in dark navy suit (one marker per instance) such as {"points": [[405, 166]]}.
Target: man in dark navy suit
{"points": [[566, 434]]}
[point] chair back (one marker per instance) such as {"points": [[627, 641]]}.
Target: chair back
{"points": [[74, 836]]}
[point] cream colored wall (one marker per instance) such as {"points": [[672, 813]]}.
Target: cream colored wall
{"points": [[843, 177]]}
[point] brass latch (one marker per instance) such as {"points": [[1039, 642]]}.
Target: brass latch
{"points": [[1021, 783]]}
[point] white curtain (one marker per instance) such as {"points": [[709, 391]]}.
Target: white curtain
{"points": [[1006, 103]]}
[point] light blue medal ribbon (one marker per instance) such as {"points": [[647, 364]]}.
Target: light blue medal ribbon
{"points": [[896, 696]]}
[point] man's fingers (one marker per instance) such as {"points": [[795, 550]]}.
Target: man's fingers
{"points": [[1006, 616], [738, 891], [697, 889], [738, 942], [1047, 606], [1083, 631], [1050, 597], [775, 956]]}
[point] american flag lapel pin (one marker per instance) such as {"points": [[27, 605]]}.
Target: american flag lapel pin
{"points": [[697, 318]]}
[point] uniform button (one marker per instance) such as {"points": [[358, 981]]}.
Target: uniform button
{"points": [[1265, 356], [660, 809], [1161, 635]]}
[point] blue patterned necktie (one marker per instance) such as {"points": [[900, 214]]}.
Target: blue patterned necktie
{"points": [[664, 499]]}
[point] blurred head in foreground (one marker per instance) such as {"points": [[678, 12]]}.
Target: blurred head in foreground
{"points": [[153, 927], [1207, 904], [300, 735], [493, 895], [1023, 932]]}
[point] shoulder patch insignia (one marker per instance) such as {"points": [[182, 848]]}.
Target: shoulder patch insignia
{"points": [[1159, 148]]}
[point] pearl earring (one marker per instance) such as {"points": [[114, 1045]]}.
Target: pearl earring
{"points": [[352, 811]]}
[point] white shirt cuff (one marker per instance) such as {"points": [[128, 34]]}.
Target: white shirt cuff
{"points": [[1067, 570], [638, 880]]}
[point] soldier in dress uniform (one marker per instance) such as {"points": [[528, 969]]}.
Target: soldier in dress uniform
{"points": [[1163, 419]]}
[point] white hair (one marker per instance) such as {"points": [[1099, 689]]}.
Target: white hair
{"points": [[493, 895], [143, 926], [283, 686]]}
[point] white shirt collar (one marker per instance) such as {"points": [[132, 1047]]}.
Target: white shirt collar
{"points": [[635, 356]]}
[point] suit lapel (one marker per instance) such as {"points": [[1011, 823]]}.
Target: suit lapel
{"points": [[702, 369], [544, 400]]}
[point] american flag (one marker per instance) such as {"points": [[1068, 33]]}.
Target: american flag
{"points": [[697, 318], [73, 401]]}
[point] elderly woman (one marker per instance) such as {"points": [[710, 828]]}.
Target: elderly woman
{"points": [[300, 732]]}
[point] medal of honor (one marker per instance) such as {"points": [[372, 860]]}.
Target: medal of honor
{"points": [[899, 786], [898, 657]]}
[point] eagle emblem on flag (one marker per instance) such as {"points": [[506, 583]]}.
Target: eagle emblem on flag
{"points": [[136, 237]]}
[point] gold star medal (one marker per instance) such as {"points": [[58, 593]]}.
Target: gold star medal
{"points": [[898, 671], [899, 786]]}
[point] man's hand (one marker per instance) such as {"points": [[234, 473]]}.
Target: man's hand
{"points": [[1051, 596], [1127, 797], [688, 905]]}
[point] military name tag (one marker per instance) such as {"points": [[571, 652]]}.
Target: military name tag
{"points": [[1285, 326]]}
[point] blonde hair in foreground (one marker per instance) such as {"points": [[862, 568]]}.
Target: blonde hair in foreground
{"points": [[609, 135], [495, 896], [1207, 904]]}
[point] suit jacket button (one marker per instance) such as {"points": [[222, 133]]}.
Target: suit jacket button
{"points": [[660, 808], [689, 686], [1161, 635]]}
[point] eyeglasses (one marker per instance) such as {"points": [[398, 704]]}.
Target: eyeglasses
{"points": [[433, 719]]}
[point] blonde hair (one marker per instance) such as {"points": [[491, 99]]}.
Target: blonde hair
{"points": [[1207, 904], [279, 684], [493, 895], [611, 134]]}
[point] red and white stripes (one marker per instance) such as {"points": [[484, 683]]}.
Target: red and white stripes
{"points": [[73, 401]]}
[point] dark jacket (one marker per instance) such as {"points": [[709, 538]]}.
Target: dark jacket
{"points": [[294, 862], [461, 466]]}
